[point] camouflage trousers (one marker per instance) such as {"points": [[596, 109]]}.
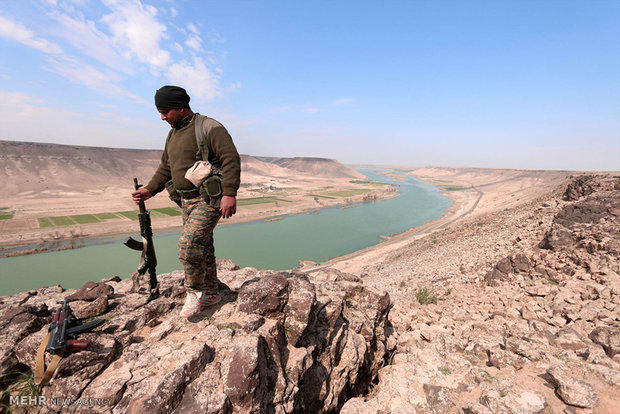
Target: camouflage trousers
{"points": [[196, 250]]}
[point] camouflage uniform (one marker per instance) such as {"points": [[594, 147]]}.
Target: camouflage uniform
{"points": [[196, 250]]}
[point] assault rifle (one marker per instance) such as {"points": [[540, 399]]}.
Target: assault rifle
{"points": [[64, 329], [148, 261], [62, 337]]}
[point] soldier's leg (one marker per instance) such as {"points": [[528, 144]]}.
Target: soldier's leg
{"points": [[209, 255], [196, 250]]}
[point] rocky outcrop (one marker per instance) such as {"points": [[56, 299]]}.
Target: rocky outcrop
{"points": [[527, 318], [585, 185], [279, 342]]}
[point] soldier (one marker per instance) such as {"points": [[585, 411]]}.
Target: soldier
{"points": [[202, 205]]}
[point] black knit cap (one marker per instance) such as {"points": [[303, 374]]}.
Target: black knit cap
{"points": [[171, 97]]}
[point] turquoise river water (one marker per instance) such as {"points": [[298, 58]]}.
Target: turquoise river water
{"points": [[277, 245]]}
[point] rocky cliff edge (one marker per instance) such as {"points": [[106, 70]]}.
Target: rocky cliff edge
{"points": [[278, 342]]}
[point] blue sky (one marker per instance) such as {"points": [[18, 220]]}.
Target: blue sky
{"points": [[514, 84]]}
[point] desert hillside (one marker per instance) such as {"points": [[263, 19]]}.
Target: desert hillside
{"points": [[47, 169], [321, 167], [511, 311]]}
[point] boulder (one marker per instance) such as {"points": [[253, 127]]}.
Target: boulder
{"points": [[92, 291], [608, 337], [571, 390]]}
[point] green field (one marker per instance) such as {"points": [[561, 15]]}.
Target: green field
{"points": [[62, 221], [100, 217], [168, 211], [106, 216], [259, 200], [131, 215], [454, 188], [45, 222], [368, 182], [85, 219], [348, 193], [5, 215]]}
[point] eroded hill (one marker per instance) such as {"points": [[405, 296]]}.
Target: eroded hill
{"points": [[39, 168]]}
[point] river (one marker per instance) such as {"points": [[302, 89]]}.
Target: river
{"points": [[277, 245]]}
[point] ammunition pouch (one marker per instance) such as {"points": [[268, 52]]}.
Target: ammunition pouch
{"points": [[211, 190], [172, 193]]}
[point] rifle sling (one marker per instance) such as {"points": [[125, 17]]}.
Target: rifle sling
{"points": [[42, 375]]}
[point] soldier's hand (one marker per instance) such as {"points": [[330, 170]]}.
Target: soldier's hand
{"points": [[141, 194], [228, 206]]}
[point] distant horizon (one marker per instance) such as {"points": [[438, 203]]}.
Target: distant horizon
{"points": [[495, 84], [353, 164]]}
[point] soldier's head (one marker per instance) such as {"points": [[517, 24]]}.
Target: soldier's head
{"points": [[172, 103]]}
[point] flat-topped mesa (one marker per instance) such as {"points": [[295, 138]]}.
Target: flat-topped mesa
{"points": [[278, 339], [322, 167], [34, 167]]}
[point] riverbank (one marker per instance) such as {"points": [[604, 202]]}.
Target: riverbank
{"points": [[475, 192], [24, 234]]}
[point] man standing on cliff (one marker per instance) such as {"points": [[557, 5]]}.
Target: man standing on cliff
{"points": [[202, 205]]}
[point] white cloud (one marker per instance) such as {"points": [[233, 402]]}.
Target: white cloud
{"points": [[134, 27], [80, 72], [192, 28], [18, 32], [311, 110], [194, 42], [84, 36], [196, 78]]}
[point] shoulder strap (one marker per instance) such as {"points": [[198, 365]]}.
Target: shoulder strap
{"points": [[203, 149], [43, 375]]}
